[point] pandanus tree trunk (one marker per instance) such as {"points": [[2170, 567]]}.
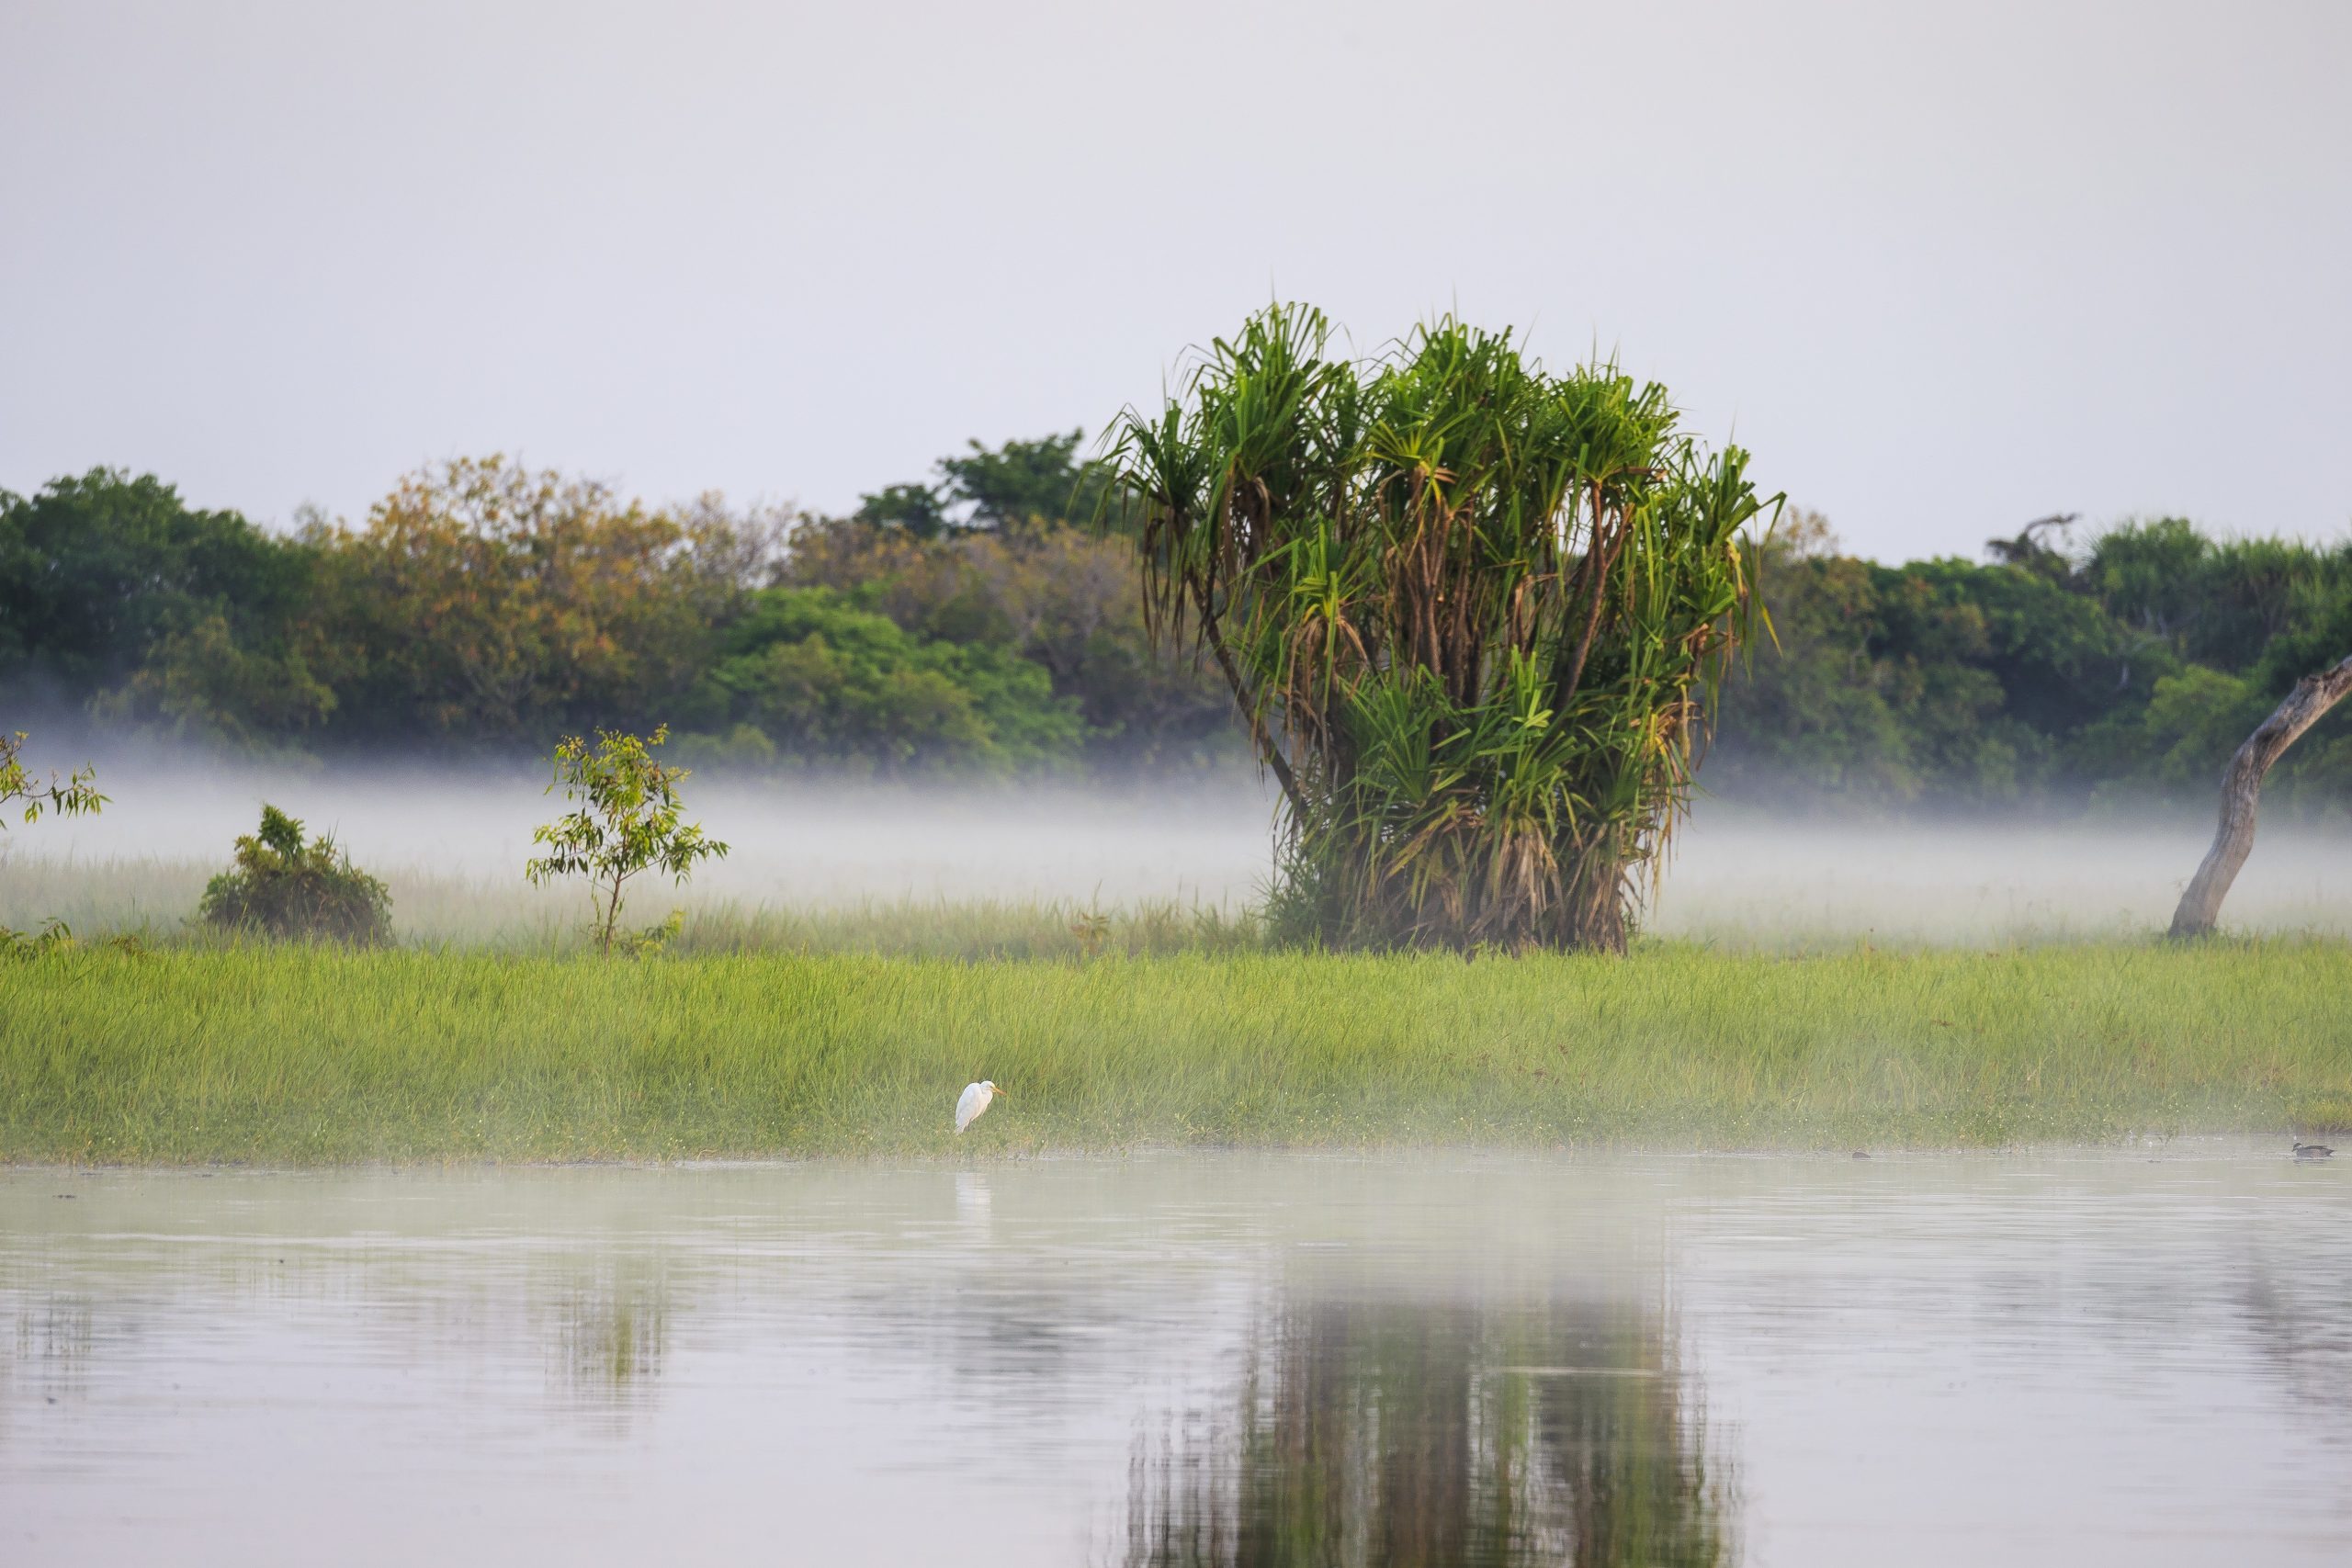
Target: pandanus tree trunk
{"points": [[2241, 793]]}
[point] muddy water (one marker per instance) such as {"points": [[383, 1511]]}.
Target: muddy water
{"points": [[2141, 1356]]}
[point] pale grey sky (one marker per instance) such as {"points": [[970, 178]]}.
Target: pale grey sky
{"points": [[1944, 268]]}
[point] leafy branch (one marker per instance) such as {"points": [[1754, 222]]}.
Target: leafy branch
{"points": [[74, 795], [628, 823]]}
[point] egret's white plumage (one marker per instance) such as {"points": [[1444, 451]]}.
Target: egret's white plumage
{"points": [[973, 1100]]}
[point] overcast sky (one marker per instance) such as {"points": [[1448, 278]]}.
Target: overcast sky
{"points": [[1943, 268]]}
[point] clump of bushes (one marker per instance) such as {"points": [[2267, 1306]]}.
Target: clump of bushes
{"points": [[285, 887], [54, 936]]}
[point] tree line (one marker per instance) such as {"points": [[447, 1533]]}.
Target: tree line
{"points": [[2123, 671], [972, 624], [980, 621]]}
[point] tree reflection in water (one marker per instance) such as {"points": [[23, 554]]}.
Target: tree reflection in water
{"points": [[1408, 1435], [611, 1334]]}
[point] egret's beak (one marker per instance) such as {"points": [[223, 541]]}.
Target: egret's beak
{"points": [[1001, 1094]]}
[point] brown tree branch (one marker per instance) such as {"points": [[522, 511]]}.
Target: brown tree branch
{"points": [[2241, 793], [1268, 747], [1603, 564]]}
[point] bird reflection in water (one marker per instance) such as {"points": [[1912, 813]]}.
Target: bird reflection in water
{"points": [[1407, 1435]]}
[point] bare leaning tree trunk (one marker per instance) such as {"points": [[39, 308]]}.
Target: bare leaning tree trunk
{"points": [[2241, 792]]}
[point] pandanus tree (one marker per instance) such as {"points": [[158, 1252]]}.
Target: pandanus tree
{"points": [[1474, 613]]}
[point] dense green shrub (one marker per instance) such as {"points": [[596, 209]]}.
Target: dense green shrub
{"points": [[285, 887], [2119, 675], [806, 677], [95, 570]]}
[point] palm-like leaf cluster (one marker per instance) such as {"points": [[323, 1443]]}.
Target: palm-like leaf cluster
{"points": [[1472, 611]]}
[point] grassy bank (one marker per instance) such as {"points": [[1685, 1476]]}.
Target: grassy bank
{"points": [[319, 1055]]}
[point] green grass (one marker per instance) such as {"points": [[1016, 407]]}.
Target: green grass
{"points": [[314, 1055]]}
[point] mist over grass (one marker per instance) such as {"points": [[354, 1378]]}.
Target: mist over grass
{"points": [[867, 948], [1005, 869], [924, 866]]}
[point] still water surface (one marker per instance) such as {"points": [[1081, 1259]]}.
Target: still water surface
{"points": [[2111, 1356]]}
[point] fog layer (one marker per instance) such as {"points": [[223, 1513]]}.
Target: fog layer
{"points": [[1738, 877]]}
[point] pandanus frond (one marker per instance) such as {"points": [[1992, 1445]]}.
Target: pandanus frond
{"points": [[1474, 612]]}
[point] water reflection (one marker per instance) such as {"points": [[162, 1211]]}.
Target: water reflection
{"points": [[1216, 1360], [2300, 1329], [611, 1334], [1410, 1434], [52, 1359]]}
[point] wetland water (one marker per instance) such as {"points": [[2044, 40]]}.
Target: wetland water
{"points": [[2104, 1356]]}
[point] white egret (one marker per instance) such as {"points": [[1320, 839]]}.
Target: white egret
{"points": [[973, 1100]]}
